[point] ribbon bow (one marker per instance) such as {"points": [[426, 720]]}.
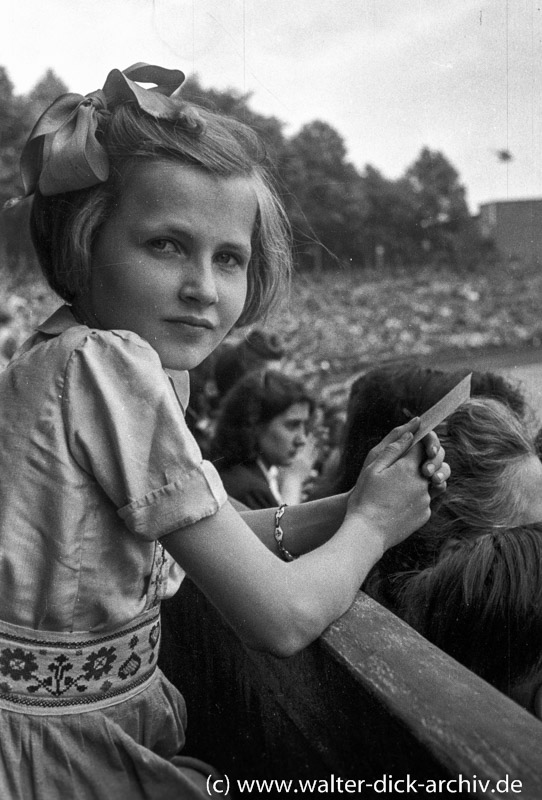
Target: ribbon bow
{"points": [[62, 153]]}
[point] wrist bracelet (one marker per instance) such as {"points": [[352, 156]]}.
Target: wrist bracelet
{"points": [[279, 533]]}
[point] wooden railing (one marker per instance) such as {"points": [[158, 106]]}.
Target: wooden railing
{"points": [[370, 701]]}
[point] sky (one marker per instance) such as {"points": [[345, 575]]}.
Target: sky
{"points": [[391, 76]]}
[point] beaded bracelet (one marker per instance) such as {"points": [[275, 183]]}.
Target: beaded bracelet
{"points": [[279, 533]]}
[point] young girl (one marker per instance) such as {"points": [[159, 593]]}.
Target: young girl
{"points": [[155, 223]]}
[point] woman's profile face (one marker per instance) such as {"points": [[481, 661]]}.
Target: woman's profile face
{"points": [[279, 440]]}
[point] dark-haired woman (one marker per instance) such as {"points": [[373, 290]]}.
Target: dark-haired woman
{"points": [[263, 424]]}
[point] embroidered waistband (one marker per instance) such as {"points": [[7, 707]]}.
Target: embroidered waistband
{"points": [[44, 672]]}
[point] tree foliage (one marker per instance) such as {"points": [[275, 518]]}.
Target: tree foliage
{"points": [[18, 114], [324, 194], [439, 203], [389, 224], [11, 136], [42, 95], [339, 215]]}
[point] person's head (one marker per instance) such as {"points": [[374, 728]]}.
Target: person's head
{"points": [[495, 482], [481, 603], [257, 350], [266, 416], [385, 397], [181, 235]]}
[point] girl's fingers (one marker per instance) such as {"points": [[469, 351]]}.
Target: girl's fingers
{"points": [[429, 468], [437, 479], [431, 444], [440, 477], [391, 451], [393, 436], [436, 469]]}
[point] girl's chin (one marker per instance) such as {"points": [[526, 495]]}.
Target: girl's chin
{"points": [[177, 359]]}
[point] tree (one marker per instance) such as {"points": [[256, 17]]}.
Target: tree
{"points": [[324, 193], [12, 134], [17, 117], [42, 95], [321, 191], [442, 215], [389, 225], [338, 215]]}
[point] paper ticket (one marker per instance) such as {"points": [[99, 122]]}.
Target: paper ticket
{"points": [[443, 408]]}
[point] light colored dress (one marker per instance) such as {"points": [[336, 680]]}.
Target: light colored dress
{"points": [[96, 464]]}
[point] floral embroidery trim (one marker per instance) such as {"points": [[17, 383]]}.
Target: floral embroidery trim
{"points": [[63, 644], [34, 672]]}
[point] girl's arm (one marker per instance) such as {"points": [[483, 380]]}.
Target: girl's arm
{"points": [[310, 524], [281, 607], [305, 526]]}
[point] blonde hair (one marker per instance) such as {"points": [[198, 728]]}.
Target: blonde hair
{"points": [[486, 446]]}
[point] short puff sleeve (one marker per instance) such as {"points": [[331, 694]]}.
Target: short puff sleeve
{"points": [[126, 428]]}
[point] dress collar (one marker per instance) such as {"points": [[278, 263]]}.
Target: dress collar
{"points": [[271, 475], [59, 321]]}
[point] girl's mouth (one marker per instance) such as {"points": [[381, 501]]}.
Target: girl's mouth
{"points": [[193, 322]]}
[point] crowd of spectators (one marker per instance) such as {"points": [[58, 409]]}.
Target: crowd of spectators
{"points": [[470, 580]]}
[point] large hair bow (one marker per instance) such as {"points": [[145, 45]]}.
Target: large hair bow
{"points": [[63, 154]]}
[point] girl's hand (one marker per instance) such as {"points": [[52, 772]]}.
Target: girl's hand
{"points": [[391, 494], [435, 467]]}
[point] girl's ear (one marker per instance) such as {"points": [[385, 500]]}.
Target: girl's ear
{"points": [[537, 702]]}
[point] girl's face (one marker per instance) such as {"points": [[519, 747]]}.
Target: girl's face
{"points": [[279, 440], [170, 264]]}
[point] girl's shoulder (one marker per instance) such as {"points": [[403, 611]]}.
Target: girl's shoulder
{"points": [[69, 360], [112, 344], [60, 337]]}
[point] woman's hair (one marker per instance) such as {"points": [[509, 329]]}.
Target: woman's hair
{"points": [[231, 362], [389, 396], [482, 604], [486, 447], [255, 400], [64, 227]]}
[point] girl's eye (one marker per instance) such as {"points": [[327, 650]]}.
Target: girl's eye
{"points": [[164, 245], [229, 260]]}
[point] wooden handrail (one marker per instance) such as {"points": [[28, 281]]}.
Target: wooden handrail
{"points": [[371, 698]]}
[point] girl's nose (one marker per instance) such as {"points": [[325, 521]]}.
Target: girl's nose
{"points": [[198, 282]]}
